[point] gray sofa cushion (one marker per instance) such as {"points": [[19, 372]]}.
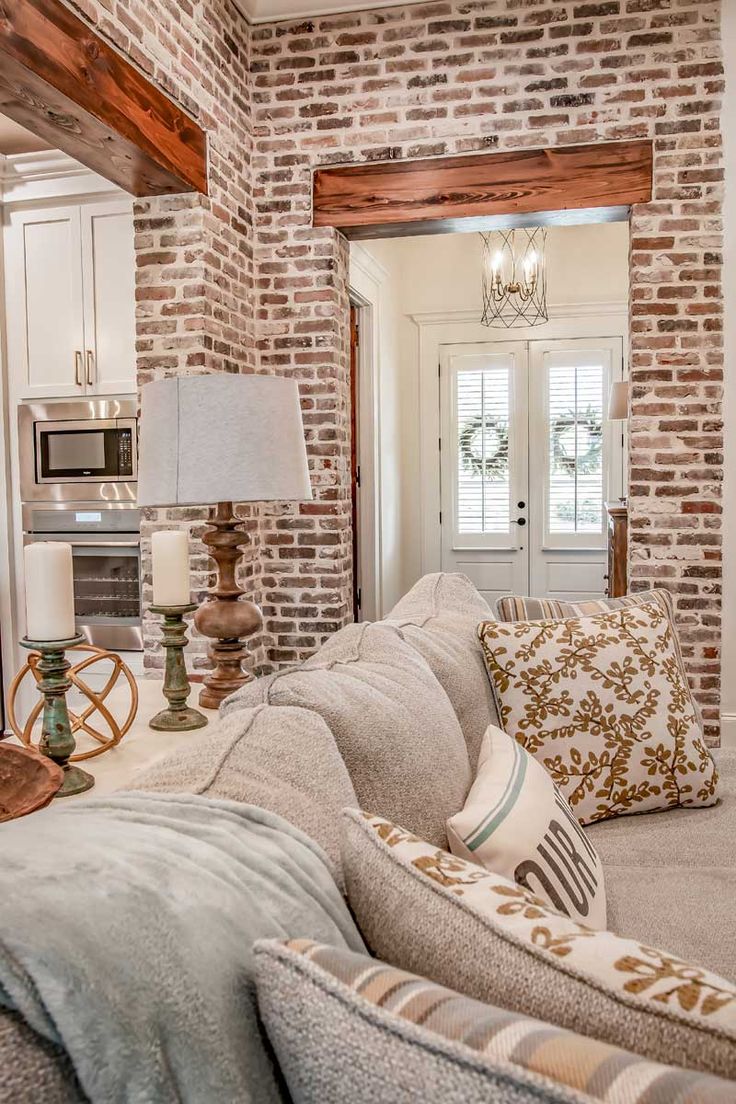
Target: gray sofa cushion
{"points": [[392, 722], [345, 1027], [439, 617], [284, 760], [671, 877]]}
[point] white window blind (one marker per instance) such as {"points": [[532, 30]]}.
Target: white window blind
{"points": [[575, 448], [482, 450]]}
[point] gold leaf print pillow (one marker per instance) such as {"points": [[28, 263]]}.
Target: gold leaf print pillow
{"points": [[604, 704]]}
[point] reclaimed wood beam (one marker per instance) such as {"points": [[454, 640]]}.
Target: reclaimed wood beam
{"points": [[63, 82], [432, 194]]}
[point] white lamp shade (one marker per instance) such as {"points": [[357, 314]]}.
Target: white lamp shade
{"points": [[221, 438], [618, 401]]}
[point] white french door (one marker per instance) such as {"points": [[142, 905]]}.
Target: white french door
{"points": [[527, 460]]}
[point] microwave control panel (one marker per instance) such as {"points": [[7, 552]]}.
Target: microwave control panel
{"points": [[125, 452]]}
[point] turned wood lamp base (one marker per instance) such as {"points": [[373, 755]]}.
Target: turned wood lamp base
{"points": [[226, 616]]}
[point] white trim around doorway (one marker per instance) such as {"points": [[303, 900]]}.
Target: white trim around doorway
{"points": [[567, 321], [367, 279]]}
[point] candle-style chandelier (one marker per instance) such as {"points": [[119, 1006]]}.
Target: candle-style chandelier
{"points": [[514, 277]]}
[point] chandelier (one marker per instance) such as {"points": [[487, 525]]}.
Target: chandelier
{"points": [[514, 277]]}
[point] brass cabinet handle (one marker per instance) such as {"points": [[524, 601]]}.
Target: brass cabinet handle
{"points": [[78, 368], [90, 367]]}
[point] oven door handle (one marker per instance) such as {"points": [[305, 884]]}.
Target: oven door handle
{"points": [[102, 544]]}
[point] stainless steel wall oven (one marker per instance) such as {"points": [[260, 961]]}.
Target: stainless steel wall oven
{"points": [[78, 470]]}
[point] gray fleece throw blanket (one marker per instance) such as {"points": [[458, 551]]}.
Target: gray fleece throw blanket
{"points": [[126, 932]]}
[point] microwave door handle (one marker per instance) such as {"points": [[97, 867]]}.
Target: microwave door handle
{"points": [[90, 367], [78, 368]]}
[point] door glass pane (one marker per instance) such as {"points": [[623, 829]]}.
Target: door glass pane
{"points": [[106, 586], [482, 456], [575, 443]]}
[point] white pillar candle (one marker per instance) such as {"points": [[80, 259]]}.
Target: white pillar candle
{"points": [[170, 555], [49, 591]]}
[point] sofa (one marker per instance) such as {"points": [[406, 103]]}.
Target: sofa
{"points": [[389, 718]]}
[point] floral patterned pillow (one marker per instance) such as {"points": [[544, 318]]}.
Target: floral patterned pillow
{"points": [[604, 704], [424, 910]]}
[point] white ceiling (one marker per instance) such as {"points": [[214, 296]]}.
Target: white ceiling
{"points": [[15, 139], [269, 11]]}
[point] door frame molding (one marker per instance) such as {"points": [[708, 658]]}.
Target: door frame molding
{"points": [[436, 328], [366, 288]]}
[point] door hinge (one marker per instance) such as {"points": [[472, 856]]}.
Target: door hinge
{"points": [[357, 476], [439, 443], [440, 517], [439, 369], [359, 598]]}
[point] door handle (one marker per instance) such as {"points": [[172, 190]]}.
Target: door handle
{"points": [[78, 368], [90, 367]]}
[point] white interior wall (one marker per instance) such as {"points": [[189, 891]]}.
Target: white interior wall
{"points": [[441, 273]]}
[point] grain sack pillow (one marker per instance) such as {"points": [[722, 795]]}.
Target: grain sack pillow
{"points": [[604, 704], [432, 913], [392, 722], [439, 617], [344, 1026], [515, 822]]}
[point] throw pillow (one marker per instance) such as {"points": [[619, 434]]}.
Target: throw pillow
{"points": [[515, 822], [439, 617], [392, 722], [344, 1026], [434, 914], [514, 607], [604, 704]]}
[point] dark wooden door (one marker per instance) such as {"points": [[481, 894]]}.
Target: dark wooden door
{"points": [[354, 465]]}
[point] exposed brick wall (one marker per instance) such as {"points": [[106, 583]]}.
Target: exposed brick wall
{"points": [[446, 77], [195, 307], [462, 75]]}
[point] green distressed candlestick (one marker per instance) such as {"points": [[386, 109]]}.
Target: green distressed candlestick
{"points": [[178, 717], [57, 741]]}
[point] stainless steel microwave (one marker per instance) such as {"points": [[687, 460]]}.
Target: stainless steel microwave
{"points": [[78, 450]]}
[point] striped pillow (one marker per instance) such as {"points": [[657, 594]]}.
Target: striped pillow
{"points": [[514, 607], [339, 1021], [515, 822]]}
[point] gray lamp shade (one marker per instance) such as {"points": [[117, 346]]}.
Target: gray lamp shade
{"points": [[221, 438], [618, 401]]}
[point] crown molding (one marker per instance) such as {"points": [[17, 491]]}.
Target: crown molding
{"points": [[556, 310], [274, 11], [47, 174]]}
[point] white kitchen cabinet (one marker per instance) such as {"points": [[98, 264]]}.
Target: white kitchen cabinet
{"points": [[70, 300]]}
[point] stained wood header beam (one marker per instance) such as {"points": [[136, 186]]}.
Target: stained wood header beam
{"points": [[376, 199], [67, 85]]}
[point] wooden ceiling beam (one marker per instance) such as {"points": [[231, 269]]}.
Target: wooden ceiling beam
{"points": [[63, 82], [422, 196]]}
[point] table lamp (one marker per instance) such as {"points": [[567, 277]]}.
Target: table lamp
{"points": [[221, 439]]}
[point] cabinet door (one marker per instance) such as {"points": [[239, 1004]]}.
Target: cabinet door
{"points": [[108, 263], [45, 318]]}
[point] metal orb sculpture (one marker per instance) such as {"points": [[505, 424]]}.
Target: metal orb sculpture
{"points": [[81, 718]]}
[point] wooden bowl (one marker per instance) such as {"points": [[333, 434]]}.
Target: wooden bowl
{"points": [[28, 781]]}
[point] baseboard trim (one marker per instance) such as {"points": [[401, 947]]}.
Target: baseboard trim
{"points": [[728, 730]]}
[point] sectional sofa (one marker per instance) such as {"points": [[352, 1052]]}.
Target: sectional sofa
{"points": [[388, 718]]}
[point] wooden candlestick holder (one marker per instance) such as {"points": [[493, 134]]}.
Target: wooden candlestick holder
{"points": [[57, 741], [178, 716], [226, 616]]}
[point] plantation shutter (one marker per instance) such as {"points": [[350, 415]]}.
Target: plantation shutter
{"points": [[482, 450]]}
